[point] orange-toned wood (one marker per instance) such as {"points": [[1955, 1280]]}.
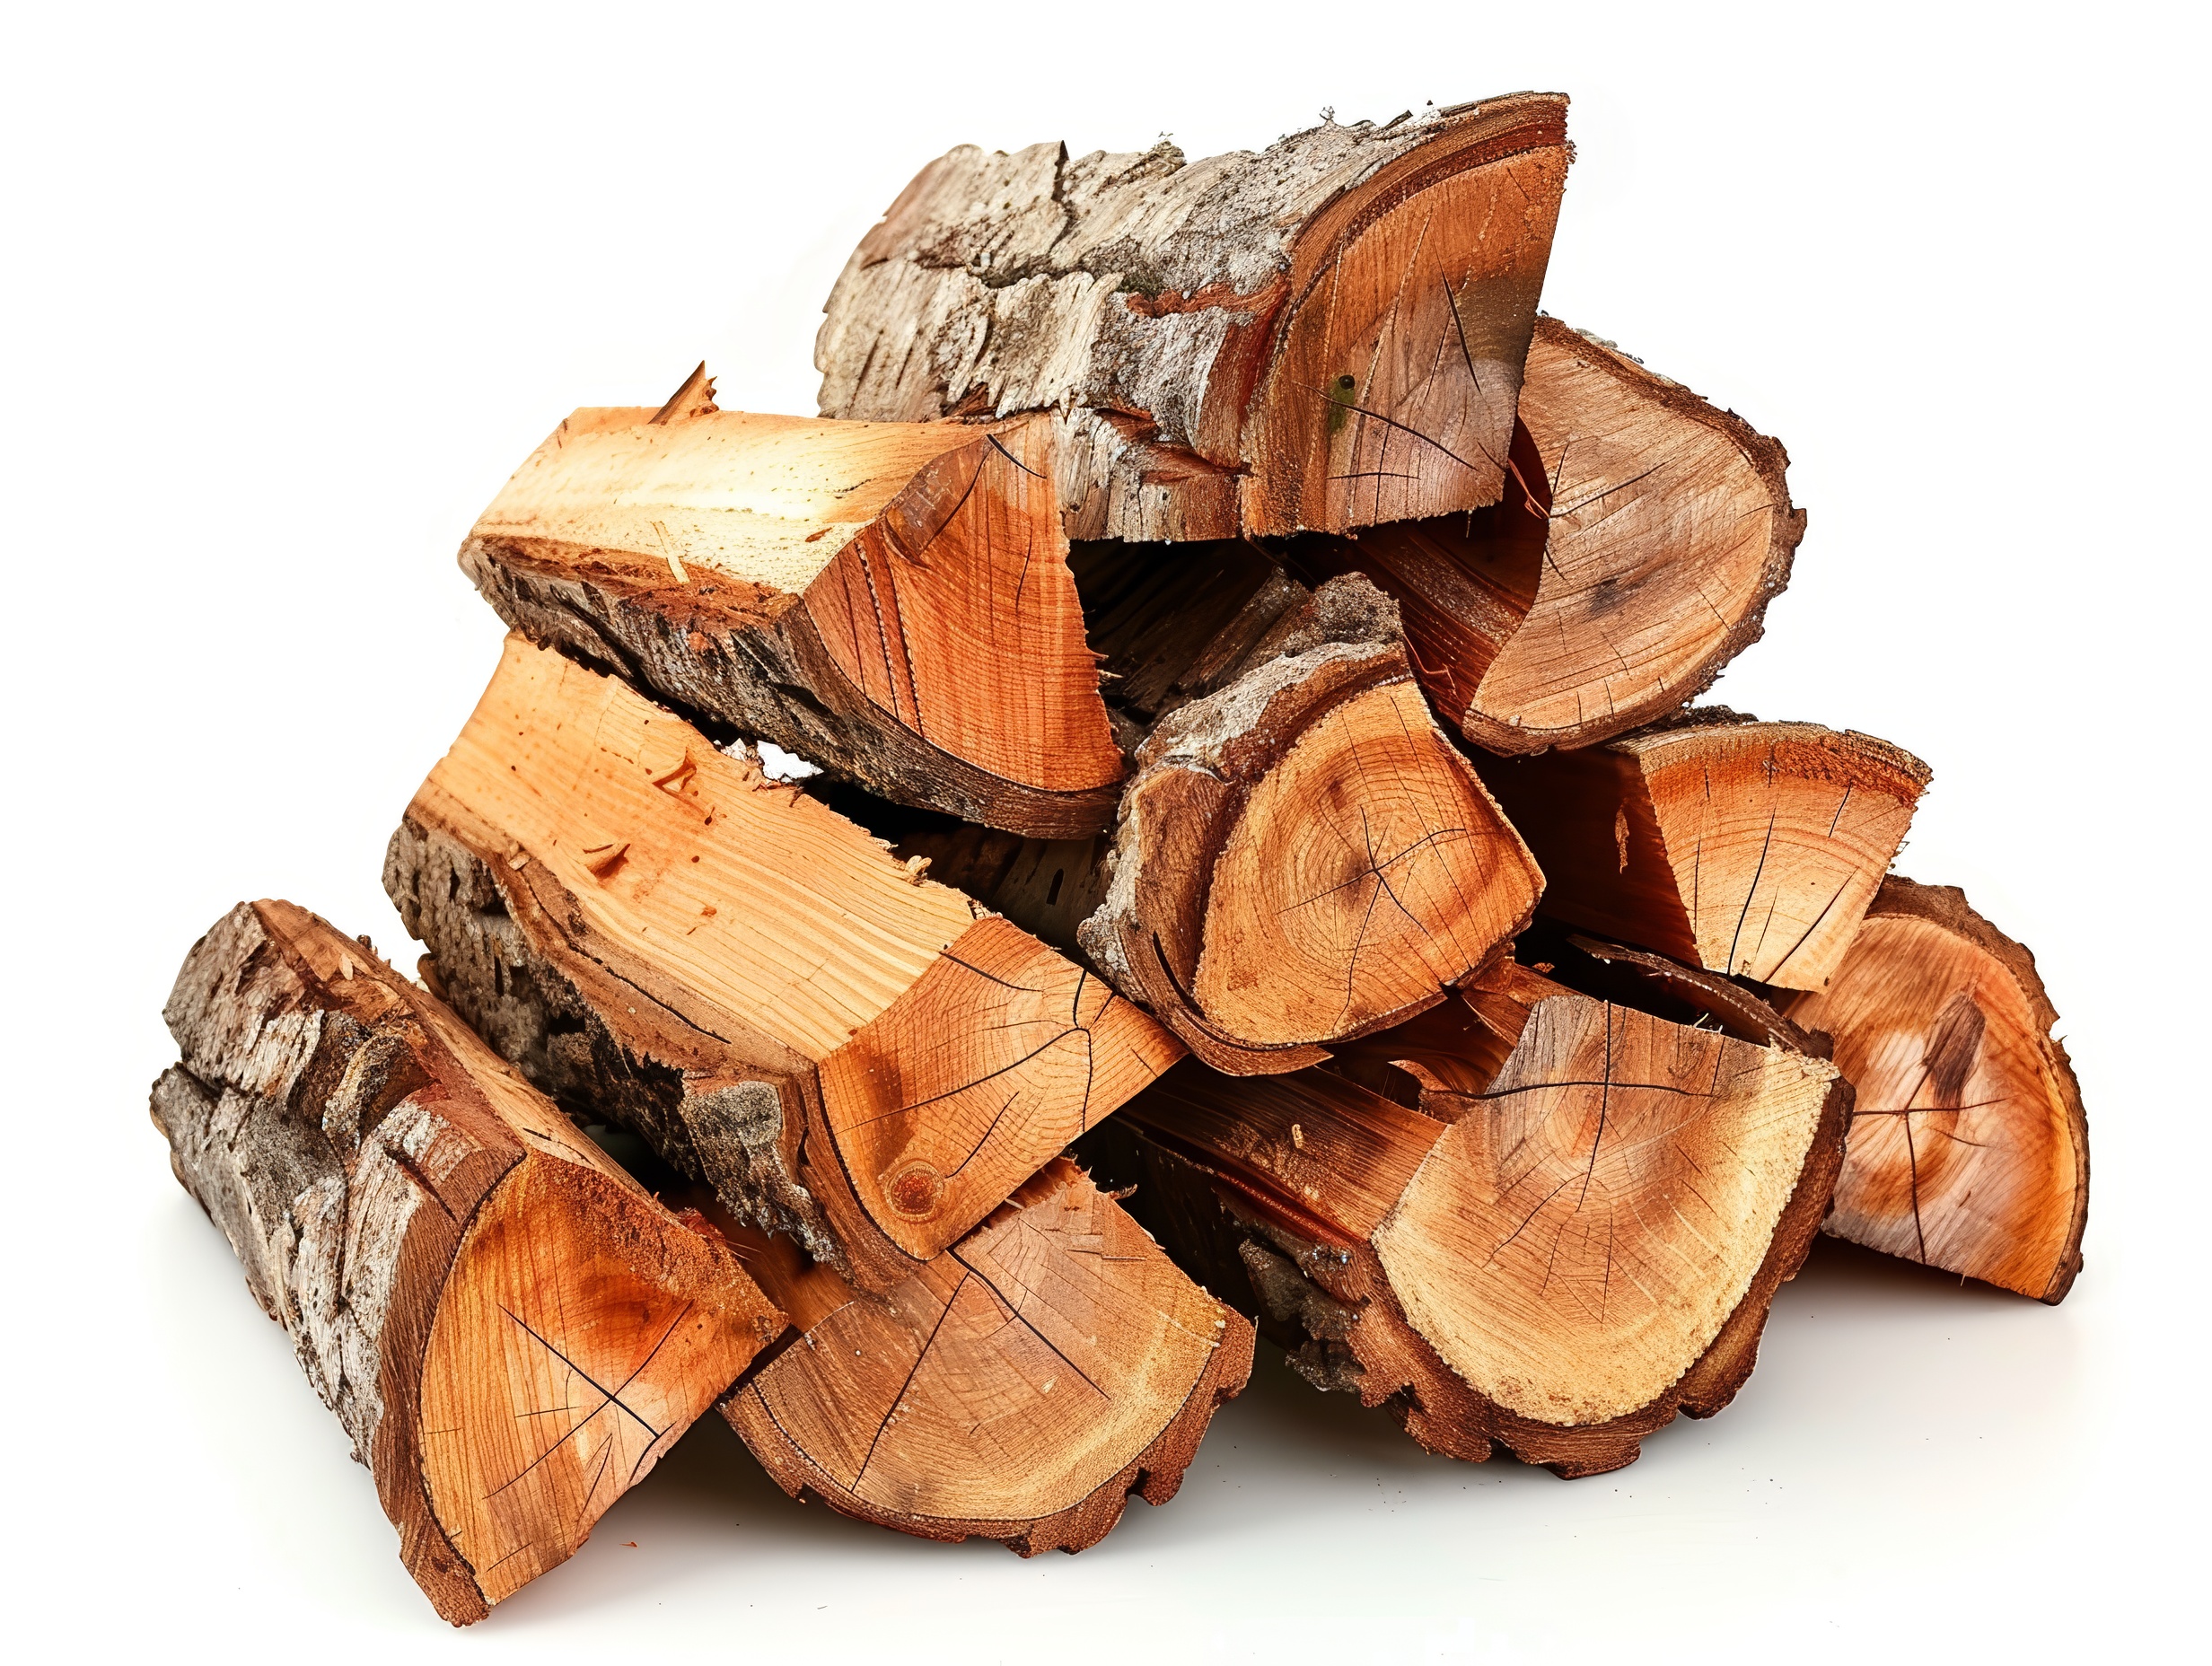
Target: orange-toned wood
{"points": [[1563, 1223], [1639, 539], [839, 1045], [1020, 1386], [510, 1330], [891, 600], [1328, 334], [1745, 848], [1970, 1148]]}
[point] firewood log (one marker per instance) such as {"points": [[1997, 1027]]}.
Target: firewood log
{"points": [[511, 1330], [841, 1047], [1301, 857], [1970, 1148], [888, 600], [1019, 1386], [1745, 848], [1327, 334], [1565, 1223], [1633, 556]]}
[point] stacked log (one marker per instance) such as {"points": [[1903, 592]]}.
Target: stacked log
{"points": [[1258, 868]]}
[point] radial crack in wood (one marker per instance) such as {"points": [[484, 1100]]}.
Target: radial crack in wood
{"points": [[1566, 1223], [510, 1330], [890, 601], [1020, 1386], [1970, 1148], [1327, 334], [1745, 848], [841, 1047], [1641, 537]]}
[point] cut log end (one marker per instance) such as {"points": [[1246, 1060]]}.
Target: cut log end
{"points": [[1021, 1387], [1970, 1148], [458, 1270]]}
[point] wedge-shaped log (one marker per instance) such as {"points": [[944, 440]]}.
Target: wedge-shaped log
{"points": [[1970, 1148], [510, 1330], [1301, 857], [891, 600], [841, 1048], [1326, 334], [1633, 556], [1020, 1386], [1566, 1224], [1745, 848]]}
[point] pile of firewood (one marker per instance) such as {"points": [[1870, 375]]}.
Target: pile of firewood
{"points": [[1256, 869]]}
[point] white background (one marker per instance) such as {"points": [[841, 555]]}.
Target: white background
{"points": [[288, 293]]}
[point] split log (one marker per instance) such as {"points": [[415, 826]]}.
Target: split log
{"points": [[1301, 857], [509, 1329], [1020, 1386], [841, 1048], [890, 601], [1633, 556], [1327, 334], [1564, 1224], [1970, 1148], [1745, 848]]}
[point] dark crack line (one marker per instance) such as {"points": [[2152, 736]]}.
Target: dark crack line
{"points": [[1754, 891], [900, 1399]]}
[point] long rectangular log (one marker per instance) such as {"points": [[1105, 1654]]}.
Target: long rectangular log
{"points": [[1744, 847], [1327, 334], [891, 600], [1638, 543], [1023, 1386], [511, 1330], [1563, 1223], [841, 1047]]}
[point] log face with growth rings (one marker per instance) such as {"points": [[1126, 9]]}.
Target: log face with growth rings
{"points": [[1970, 1149], [512, 1331]]}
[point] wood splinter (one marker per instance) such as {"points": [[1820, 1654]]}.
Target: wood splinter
{"points": [[840, 1047], [1527, 1217], [511, 1330], [1970, 1148]]}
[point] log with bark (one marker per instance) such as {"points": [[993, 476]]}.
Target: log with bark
{"points": [[890, 601], [1301, 857], [839, 1046], [1529, 1217], [1970, 1148], [511, 1330], [1638, 543], [1327, 334], [1021, 1386], [1745, 848]]}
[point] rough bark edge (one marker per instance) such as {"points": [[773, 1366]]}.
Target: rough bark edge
{"points": [[1946, 906], [762, 672], [1768, 459], [781, 1190], [423, 1263], [1155, 1473]]}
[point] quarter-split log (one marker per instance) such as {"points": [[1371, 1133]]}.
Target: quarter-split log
{"points": [[1020, 1386], [1970, 1149], [839, 1046], [889, 600], [509, 1329]]}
